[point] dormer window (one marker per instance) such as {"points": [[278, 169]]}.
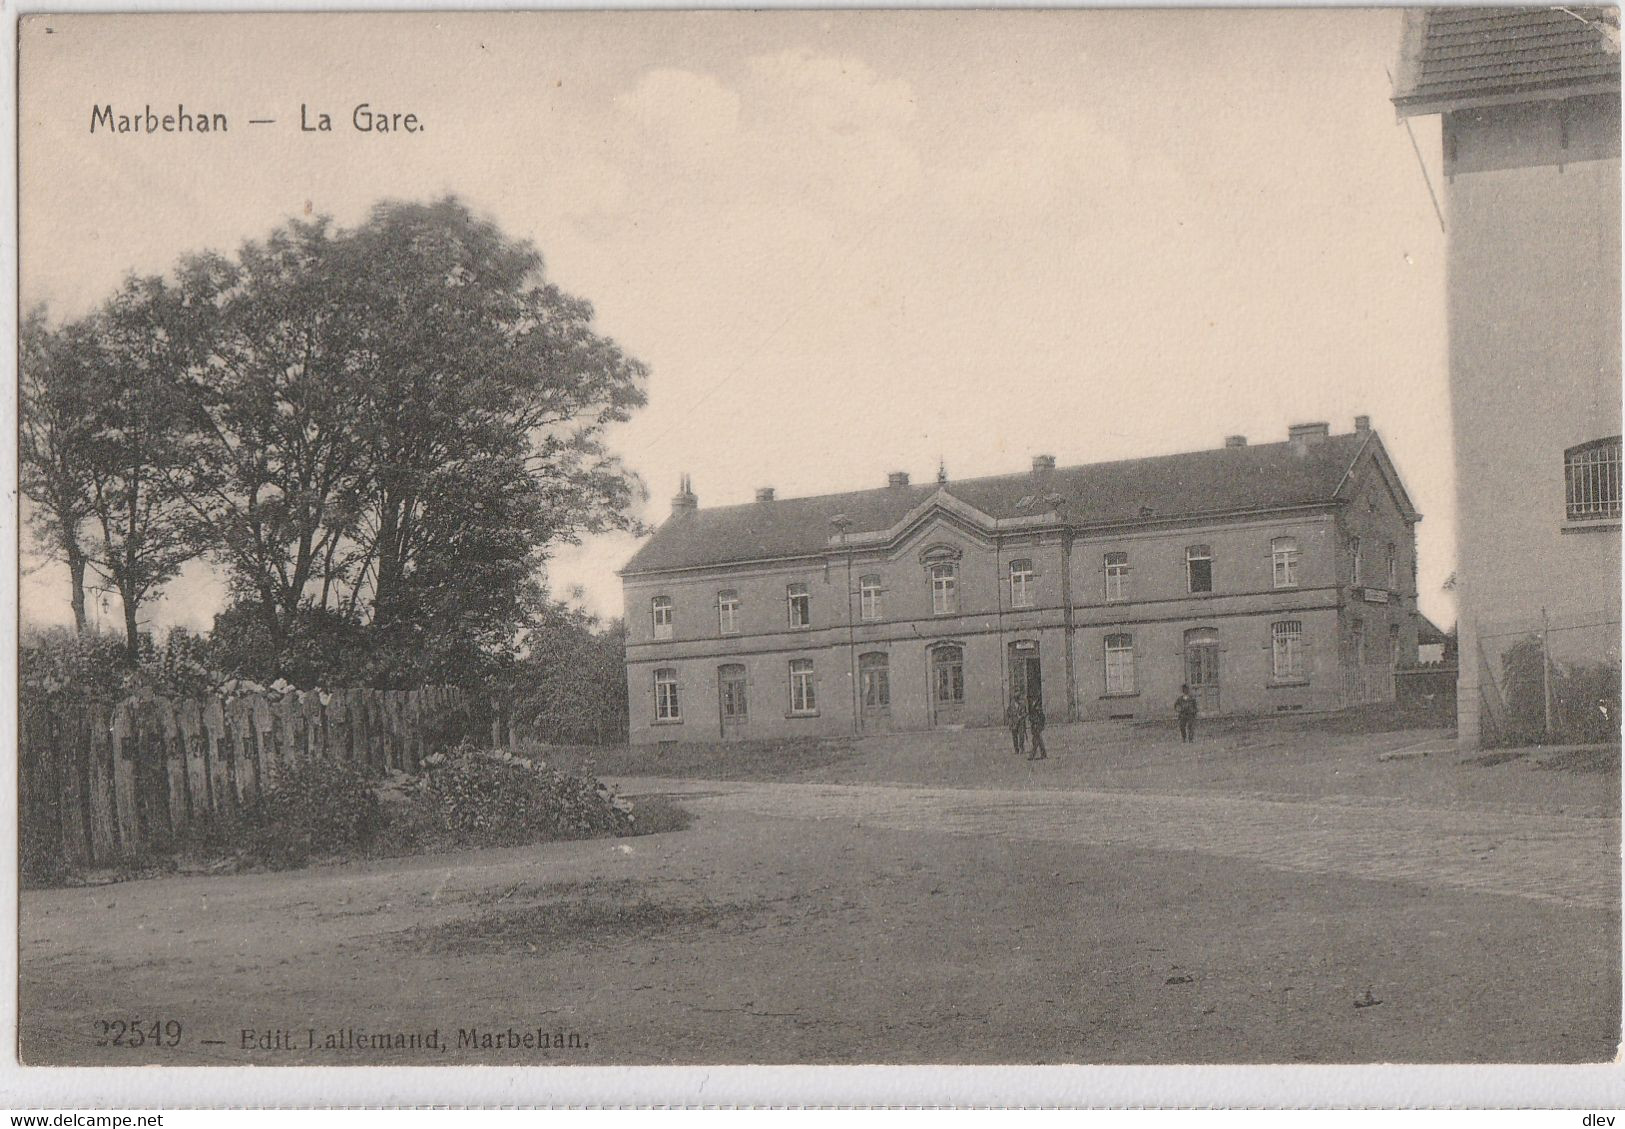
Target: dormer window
{"points": [[661, 609]]}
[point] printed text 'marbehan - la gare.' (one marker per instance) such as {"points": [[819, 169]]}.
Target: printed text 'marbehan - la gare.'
{"points": [[364, 118]]}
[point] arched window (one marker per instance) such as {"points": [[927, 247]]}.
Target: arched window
{"points": [[1591, 480], [661, 609], [1021, 583], [1199, 568], [731, 696], [1120, 664], [728, 611], [874, 681], [1286, 648], [1284, 555], [944, 587], [666, 707], [1116, 576], [869, 597]]}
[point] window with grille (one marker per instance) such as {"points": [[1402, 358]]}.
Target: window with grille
{"points": [[731, 692], [1591, 480], [1199, 568], [803, 694], [800, 605], [662, 616], [1021, 584], [1286, 638], [1116, 576], [944, 588], [666, 707], [728, 611], [869, 597], [1284, 555], [1120, 664]]}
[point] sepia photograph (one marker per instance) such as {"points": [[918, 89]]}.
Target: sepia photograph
{"points": [[955, 537]]}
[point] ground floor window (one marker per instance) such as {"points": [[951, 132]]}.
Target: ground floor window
{"points": [[1286, 642], [874, 681], [803, 695], [666, 707], [948, 674], [1120, 664], [731, 691]]}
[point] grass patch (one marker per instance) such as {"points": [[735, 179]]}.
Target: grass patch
{"points": [[569, 912]]}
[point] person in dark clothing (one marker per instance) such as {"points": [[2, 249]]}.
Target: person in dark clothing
{"points": [[1185, 710], [1035, 726], [1016, 718]]}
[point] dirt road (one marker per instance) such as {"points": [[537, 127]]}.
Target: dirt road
{"points": [[857, 923]]}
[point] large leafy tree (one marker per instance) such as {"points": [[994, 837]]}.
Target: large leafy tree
{"points": [[141, 344], [56, 440], [398, 421]]}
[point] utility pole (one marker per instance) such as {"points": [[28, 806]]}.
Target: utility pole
{"points": [[1546, 670]]}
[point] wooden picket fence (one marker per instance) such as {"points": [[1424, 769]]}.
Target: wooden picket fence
{"points": [[105, 782]]}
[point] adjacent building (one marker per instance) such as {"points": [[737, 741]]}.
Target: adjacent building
{"points": [[1529, 100], [1270, 578]]}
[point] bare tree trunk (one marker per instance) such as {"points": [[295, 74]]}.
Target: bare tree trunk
{"points": [[76, 581], [132, 635]]}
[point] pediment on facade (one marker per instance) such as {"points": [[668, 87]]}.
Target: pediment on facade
{"points": [[941, 510]]}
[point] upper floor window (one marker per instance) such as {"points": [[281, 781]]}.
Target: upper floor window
{"points": [[944, 588], [1116, 576], [1120, 664], [662, 616], [1199, 568], [1286, 648], [666, 707], [800, 605], [803, 692], [1284, 555], [728, 611], [1592, 480], [1354, 560], [1021, 583], [869, 597], [1393, 567]]}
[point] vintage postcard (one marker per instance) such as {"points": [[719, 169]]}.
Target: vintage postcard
{"points": [[845, 537]]}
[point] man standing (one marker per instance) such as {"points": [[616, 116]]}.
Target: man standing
{"points": [[1015, 716], [1185, 709], [1035, 725]]}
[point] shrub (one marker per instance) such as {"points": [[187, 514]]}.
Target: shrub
{"points": [[321, 806], [489, 797]]}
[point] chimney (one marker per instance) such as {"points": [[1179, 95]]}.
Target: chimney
{"points": [[764, 494], [684, 502], [1306, 435], [897, 478], [1042, 465], [1235, 440], [1362, 424]]}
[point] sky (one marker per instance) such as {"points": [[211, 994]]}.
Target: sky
{"points": [[845, 243]]}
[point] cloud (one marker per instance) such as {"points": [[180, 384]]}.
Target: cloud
{"points": [[683, 108]]}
